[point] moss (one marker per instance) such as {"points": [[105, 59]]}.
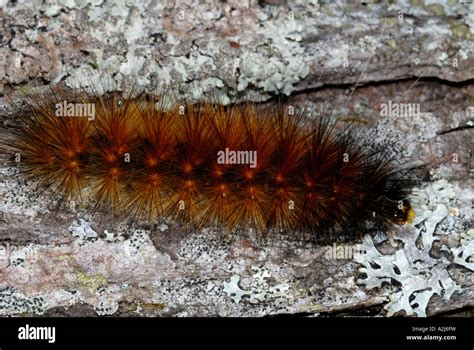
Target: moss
{"points": [[346, 26], [392, 43], [391, 21], [419, 3], [460, 30], [314, 307], [152, 306], [352, 119], [94, 65], [65, 258], [90, 282], [437, 9], [326, 10]]}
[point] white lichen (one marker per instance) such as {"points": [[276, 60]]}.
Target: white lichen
{"points": [[418, 273]]}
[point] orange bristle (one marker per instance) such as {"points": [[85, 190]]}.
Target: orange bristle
{"points": [[152, 182], [53, 150], [112, 147]]}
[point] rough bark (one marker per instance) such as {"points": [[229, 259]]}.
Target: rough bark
{"points": [[353, 56]]}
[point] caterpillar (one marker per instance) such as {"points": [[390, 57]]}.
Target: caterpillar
{"points": [[238, 167]]}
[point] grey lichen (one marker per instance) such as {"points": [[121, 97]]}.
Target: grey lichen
{"points": [[13, 302], [245, 49], [412, 266]]}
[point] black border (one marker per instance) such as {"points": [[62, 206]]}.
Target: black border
{"points": [[376, 332]]}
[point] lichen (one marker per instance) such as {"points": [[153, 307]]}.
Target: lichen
{"points": [[259, 288], [461, 30], [418, 273], [14, 303], [90, 282]]}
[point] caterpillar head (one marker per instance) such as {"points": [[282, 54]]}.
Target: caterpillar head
{"points": [[402, 213], [398, 212]]}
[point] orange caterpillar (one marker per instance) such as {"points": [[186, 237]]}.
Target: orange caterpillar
{"points": [[234, 167]]}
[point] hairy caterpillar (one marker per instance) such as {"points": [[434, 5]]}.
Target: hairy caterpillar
{"points": [[237, 167]]}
